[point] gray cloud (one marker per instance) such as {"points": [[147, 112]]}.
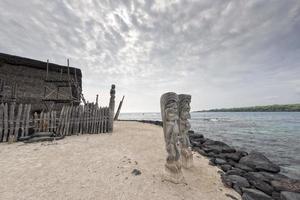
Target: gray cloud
{"points": [[225, 53]]}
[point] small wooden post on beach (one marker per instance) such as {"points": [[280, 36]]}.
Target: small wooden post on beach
{"points": [[111, 113], [11, 122], [5, 123], [16, 131], [119, 109], [23, 120], [1, 120]]}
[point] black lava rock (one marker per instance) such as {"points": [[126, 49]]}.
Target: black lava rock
{"points": [[236, 171], [231, 180], [136, 172], [218, 147], [260, 176], [271, 176], [244, 167], [253, 194], [233, 156], [289, 195], [258, 161], [276, 195], [226, 167], [259, 183], [290, 185], [195, 135], [219, 161]]}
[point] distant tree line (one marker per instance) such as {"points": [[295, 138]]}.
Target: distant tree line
{"points": [[269, 108]]}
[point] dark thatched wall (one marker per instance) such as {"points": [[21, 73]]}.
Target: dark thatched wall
{"points": [[29, 76]]}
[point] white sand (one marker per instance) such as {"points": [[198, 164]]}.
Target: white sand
{"points": [[100, 166]]}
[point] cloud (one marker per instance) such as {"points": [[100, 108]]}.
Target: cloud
{"points": [[225, 53]]}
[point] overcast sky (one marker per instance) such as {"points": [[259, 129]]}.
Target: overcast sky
{"points": [[223, 53]]}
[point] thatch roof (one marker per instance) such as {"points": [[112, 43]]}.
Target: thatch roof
{"points": [[21, 61]]}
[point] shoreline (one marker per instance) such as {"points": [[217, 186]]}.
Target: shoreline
{"points": [[242, 170], [127, 164]]}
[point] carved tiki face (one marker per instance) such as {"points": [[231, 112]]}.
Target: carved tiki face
{"points": [[169, 106], [184, 106], [171, 111]]}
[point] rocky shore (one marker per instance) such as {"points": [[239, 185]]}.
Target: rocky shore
{"points": [[252, 174]]}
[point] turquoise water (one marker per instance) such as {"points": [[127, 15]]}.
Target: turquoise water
{"points": [[276, 134]]}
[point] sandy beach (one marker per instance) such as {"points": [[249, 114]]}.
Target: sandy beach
{"points": [[100, 167]]}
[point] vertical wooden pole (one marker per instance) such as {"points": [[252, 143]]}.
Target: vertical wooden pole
{"points": [[5, 123], [58, 128], [69, 121], [94, 119], [65, 120], [35, 120], [97, 98], [88, 119], [11, 122], [41, 121], [1, 120], [100, 118], [78, 115], [97, 121], [16, 132], [69, 79], [79, 119], [102, 121], [119, 109], [54, 121], [23, 118], [72, 119], [47, 69], [111, 108], [51, 122], [27, 120], [106, 119], [82, 119], [46, 121]]}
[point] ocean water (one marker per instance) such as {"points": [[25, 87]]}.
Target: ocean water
{"points": [[276, 134]]}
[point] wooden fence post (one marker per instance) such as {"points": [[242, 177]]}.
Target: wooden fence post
{"points": [[66, 120], [27, 119], [16, 132], [110, 124], [1, 120], [80, 119], [11, 122], [35, 122], [22, 120], [5, 123], [100, 119], [60, 122], [41, 121], [54, 121]]}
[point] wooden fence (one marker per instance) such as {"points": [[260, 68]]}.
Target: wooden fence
{"points": [[16, 121], [83, 119]]}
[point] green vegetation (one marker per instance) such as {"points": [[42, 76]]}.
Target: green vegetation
{"points": [[270, 108]]}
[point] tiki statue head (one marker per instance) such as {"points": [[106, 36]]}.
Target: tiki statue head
{"points": [[184, 106]]}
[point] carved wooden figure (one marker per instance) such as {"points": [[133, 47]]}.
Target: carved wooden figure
{"points": [[169, 113], [184, 127], [111, 108]]}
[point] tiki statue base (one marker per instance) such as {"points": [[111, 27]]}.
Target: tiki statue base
{"points": [[187, 158], [173, 173]]}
